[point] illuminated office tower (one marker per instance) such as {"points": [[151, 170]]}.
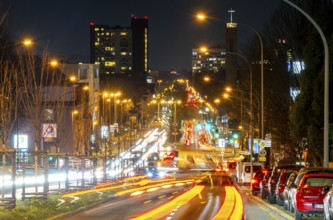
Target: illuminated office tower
{"points": [[120, 50]]}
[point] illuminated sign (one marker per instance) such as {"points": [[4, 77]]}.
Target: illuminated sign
{"points": [[49, 130], [21, 141]]}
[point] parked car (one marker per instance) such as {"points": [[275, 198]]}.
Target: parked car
{"points": [[301, 173], [328, 205], [257, 178], [264, 185], [310, 194], [272, 181], [281, 184], [289, 184]]}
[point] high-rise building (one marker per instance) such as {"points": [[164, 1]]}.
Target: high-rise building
{"points": [[207, 59], [120, 50], [231, 50]]}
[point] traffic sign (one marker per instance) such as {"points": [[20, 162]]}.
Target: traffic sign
{"points": [[262, 143], [262, 153], [263, 159]]}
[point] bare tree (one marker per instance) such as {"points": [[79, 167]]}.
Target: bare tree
{"points": [[7, 101], [43, 96]]}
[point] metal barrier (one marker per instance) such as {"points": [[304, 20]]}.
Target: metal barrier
{"points": [[38, 157], [8, 156]]}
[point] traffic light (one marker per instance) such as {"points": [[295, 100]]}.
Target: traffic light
{"points": [[51, 158], [235, 135]]}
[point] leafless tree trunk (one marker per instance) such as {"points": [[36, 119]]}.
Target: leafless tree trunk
{"points": [[44, 92], [7, 101]]}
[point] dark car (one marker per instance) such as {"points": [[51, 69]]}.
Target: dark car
{"points": [[273, 180], [257, 178], [289, 184], [310, 194], [293, 189], [264, 185], [281, 184], [152, 170]]}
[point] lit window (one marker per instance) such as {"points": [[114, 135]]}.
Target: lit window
{"points": [[123, 33], [110, 63]]}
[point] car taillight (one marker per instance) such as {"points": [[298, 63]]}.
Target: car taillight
{"points": [[253, 181], [226, 169], [272, 181]]}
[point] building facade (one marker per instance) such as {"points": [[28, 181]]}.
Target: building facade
{"points": [[119, 50], [207, 59]]}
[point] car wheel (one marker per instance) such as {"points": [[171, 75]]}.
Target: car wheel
{"points": [[285, 205], [280, 202], [326, 217], [271, 199], [298, 215], [264, 195]]}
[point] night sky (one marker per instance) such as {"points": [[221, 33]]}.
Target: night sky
{"points": [[63, 25]]}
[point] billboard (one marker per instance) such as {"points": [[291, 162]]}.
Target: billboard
{"points": [[20, 141]]}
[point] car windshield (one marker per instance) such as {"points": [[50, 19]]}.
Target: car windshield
{"points": [[318, 181], [288, 173]]}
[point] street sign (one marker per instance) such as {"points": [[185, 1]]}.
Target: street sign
{"points": [[262, 153], [268, 142], [263, 159], [244, 153], [262, 144]]}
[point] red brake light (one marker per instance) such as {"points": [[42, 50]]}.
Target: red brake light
{"points": [[253, 181]]}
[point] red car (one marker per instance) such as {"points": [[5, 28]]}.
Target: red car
{"points": [[310, 194], [257, 178], [281, 184], [264, 185]]}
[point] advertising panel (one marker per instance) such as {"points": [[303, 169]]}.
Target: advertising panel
{"points": [[21, 141]]}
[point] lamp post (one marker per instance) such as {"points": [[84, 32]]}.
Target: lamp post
{"points": [[174, 102], [26, 43], [326, 89], [202, 17]]}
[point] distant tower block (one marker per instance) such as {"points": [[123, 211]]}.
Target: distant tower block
{"points": [[231, 64]]}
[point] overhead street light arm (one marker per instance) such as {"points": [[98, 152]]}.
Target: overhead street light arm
{"points": [[326, 86]]}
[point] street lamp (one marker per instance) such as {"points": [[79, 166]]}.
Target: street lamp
{"points": [[26, 43], [326, 89], [202, 17], [175, 103]]}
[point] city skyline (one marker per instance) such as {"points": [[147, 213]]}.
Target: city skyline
{"points": [[173, 30]]}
